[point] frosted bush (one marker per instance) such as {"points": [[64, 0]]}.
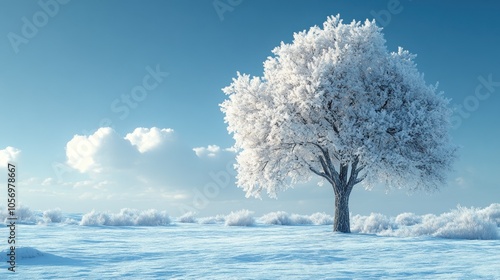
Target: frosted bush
{"points": [[94, 218], [188, 217], [152, 217], [461, 223], [492, 212], [377, 223], [466, 223], [52, 216], [126, 217], [277, 218], [240, 218], [321, 219], [24, 215], [301, 219], [408, 219], [357, 223]]}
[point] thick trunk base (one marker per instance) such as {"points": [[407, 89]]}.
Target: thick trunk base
{"points": [[341, 222]]}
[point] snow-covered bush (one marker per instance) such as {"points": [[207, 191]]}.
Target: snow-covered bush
{"points": [[240, 218], [126, 217], [408, 219], [188, 217], [52, 216], [277, 218], [321, 219]]}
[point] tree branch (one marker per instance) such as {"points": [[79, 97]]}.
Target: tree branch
{"points": [[264, 167], [343, 173], [353, 178], [334, 175], [321, 174], [325, 167]]}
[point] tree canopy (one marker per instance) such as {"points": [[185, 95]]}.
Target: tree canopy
{"points": [[337, 104]]}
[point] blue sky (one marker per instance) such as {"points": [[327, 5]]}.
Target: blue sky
{"points": [[74, 67]]}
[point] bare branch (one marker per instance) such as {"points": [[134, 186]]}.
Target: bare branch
{"points": [[359, 180], [265, 164]]}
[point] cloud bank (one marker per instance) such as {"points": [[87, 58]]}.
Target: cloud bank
{"points": [[147, 164]]}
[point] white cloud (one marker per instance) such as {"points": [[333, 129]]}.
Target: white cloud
{"points": [[48, 182], [210, 151], [461, 182], [81, 150], [145, 157], [146, 139], [8, 155], [105, 149]]}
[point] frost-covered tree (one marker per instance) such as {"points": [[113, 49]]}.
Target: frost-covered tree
{"points": [[336, 104]]}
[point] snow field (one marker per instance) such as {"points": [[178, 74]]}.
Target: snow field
{"points": [[216, 251]]}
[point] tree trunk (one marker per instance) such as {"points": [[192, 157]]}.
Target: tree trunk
{"points": [[341, 222], [342, 182]]}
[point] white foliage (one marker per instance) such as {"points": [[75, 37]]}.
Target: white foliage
{"points": [[338, 88]]}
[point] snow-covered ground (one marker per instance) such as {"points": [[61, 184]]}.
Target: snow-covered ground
{"points": [[132, 244]]}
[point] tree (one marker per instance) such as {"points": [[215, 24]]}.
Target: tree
{"points": [[336, 104]]}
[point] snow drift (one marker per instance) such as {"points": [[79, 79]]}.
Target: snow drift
{"points": [[22, 253]]}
